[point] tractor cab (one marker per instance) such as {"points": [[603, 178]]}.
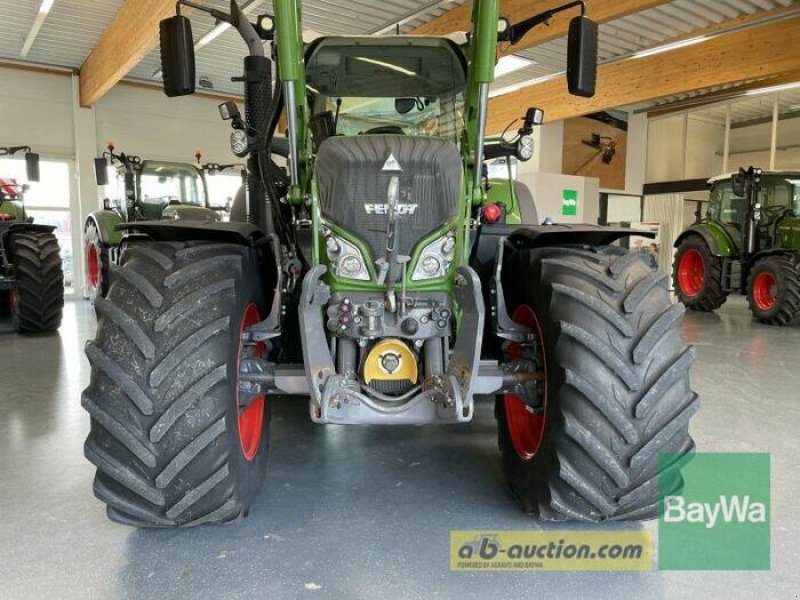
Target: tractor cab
{"points": [[12, 193], [154, 190], [164, 186], [773, 197]]}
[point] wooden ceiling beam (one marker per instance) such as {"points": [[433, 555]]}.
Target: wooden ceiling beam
{"points": [[728, 94], [602, 11], [762, 51], [128, 39]]}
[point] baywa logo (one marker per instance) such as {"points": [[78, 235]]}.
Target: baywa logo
{"points": [[720, 519], [383, 209], [729, 508]]}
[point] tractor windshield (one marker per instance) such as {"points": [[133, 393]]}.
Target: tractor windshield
{"points": [[165, 182], [387, 85]]}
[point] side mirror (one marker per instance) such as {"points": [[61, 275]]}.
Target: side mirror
{"points": [[738, 184], [177, 56], [582, 56], [100, 172], [32, 166]]}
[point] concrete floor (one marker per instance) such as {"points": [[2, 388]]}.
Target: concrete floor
{"points": [[357, 512]]}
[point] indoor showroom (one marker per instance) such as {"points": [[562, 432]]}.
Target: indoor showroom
{"points": [[399, 299]]}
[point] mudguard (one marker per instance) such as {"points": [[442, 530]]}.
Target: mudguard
{"points": [[486, 247], [182, 230], [106, 222], [8, 229], [718, 240]]}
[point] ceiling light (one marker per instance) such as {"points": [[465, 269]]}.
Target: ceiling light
{"points": [[668, 47], [773, 89], [509, 64], [44, 9]]}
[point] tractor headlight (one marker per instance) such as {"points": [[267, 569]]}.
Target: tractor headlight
{"points": [[525, 147], [239, 143], [436, 258], [345, 258]]}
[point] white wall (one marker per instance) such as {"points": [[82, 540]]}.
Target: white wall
{"points": [[665, 156], [36, 111], [145, 122], [547, 189], [705, 142], [636, 154]]}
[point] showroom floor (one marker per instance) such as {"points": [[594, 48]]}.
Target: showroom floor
{"points": [[357, 512]]}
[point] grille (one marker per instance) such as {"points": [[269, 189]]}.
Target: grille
{"points": [[350, 175]]}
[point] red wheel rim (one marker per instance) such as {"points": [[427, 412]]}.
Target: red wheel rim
{"points": [[765, 289], [691, 273], [526, 428], [251, 418], [93, 266]]}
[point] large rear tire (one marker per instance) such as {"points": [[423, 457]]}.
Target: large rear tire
{"points": [[773, 290], [37, 301], [173, 442], [697, 276], [614, 386]]}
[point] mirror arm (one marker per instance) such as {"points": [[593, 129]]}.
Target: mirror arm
{"points": [[217, 14], [246, 30], [12, 150], [517, 31]]}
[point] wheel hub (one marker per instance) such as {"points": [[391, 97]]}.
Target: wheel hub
{"points": [[250, 407], [526, 406], [691, 273], [765, 290], [93, 266]]}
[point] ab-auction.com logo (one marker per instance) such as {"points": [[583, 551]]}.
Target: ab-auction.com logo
{"points": [[715, 514], [551, 550]]}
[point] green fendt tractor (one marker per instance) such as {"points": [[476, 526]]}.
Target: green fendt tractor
{"points": [[410, 300], [748, 243], [31, 277], [145, 190]]}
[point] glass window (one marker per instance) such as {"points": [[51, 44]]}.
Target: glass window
{"points": [[728, 208], [164, 183], [385, 85], [222, 189], [52, 189], [47, 201], [782, 195]]}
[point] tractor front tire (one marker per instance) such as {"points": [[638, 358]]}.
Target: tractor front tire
{"points": [[773, 290], [697, 276], [37, 301], [173, 443], [97, 263], [614, 391]]}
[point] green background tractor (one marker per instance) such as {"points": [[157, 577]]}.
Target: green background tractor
{"points": [[31, 277], [143, 190], [412, 299], [748, 243]]}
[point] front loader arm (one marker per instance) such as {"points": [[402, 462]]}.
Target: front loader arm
{"points": [[291, 69]]}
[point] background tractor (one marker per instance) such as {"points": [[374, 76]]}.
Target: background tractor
{"points": [[144, 190], [31, 277], [748, 243], [411, 299]]}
